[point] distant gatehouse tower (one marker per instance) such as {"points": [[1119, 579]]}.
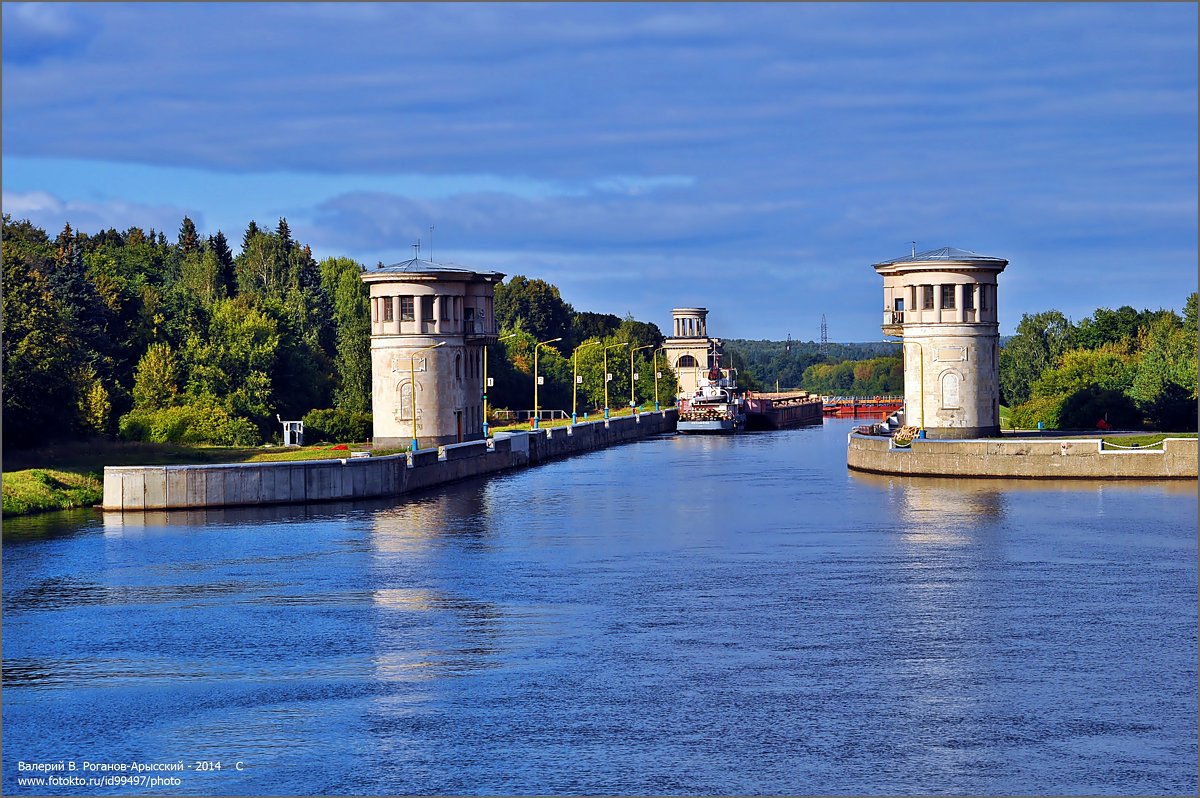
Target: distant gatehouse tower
{"points": [[689, 349], [942, 303], [429, 324]]}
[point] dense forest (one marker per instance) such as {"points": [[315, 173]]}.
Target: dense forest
{"points": [[133, 334], [1122, 367], [863, 369]]}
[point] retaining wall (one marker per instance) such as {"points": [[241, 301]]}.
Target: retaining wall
{"points": [[136, 488], [1022, 459]]}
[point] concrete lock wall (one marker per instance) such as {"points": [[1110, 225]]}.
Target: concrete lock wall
{"points": [[1028, 459], [137, 488]]}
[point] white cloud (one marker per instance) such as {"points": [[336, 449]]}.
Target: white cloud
{"points": [[52, 213]]}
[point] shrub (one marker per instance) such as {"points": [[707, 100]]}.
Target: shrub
{"points": [[1041, 408], [1086, 407], [189, 424], [336, 425]]}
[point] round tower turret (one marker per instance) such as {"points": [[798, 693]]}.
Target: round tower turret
{"points": [[942, 303]]}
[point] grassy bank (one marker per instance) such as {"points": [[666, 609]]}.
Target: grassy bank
{"points": [[37, 490]]}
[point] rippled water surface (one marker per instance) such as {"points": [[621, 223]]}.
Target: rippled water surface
{"points": [[679, 615]]}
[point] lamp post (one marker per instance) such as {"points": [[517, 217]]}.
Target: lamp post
{"points": [[607, 376], [535, 377], [485, 381], [575, 377], [412, 385], [656, 373], [632, 401]]}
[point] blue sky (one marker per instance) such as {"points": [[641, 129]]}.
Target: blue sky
{"points": [[752, 158]]}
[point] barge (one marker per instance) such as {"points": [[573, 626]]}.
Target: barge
{"points": [[766, 411]]}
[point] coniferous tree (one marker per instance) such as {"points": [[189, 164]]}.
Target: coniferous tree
{"points": [[224, 258], [189, 241], [248, 236]]}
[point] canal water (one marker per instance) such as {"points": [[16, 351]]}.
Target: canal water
{"points": [[678, 615]]}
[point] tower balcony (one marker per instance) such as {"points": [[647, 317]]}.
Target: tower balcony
{"points": [[893, 321], [476, 332]]}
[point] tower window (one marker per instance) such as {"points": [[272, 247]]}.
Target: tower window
{"points": [[927, 297], [948, 297], [968, 297], [983, 297], [686, 362], [406, 308], [388, 308]]}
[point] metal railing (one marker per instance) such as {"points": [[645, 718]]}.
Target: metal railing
{"points": [[525, 415]]}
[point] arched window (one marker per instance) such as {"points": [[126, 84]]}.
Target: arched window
{"points": [[686, 362], [403, 407], [458, 367], [950, 393]]}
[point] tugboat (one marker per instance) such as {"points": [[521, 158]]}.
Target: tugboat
{"points": [[718, 405]]}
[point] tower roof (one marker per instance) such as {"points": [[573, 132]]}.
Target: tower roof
{"points": [[948, 254], [418, 266]]}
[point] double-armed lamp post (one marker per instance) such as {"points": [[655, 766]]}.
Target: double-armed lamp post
{"points": [[485, 381], [575, 377], [632, 376], [537, 379], [412, 385], [607, 376]]}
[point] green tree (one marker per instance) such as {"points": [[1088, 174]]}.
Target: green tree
{"points": [[156, 382], [341, 279], [537, 306], [189, 241], [38, 347], [1108, 368], [1040, 341], [233, 365]]}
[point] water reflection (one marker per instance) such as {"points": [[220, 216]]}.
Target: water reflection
{"points": [[421, 632]]}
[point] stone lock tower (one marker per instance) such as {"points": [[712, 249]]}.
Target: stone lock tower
{"points": [[416, 305], [942, 303], [689, 349]]}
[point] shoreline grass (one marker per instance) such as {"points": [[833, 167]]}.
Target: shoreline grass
{"points": [[37, 490]]}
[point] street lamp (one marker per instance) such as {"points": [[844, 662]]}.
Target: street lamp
{"points": [[632, 401], [608, 376], [575, 377], [535, 377], [485, 381], [656, 373], [412, 385]]}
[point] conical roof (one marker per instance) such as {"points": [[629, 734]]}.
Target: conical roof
{"points": [[944, 254], [418, 266]]}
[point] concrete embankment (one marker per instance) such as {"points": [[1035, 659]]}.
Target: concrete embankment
{"points": [[137, 488], [1022, 459]]}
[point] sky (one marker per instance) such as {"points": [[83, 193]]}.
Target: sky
{"points": [[754, 159]]}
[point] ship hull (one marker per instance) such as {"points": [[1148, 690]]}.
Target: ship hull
{"points": [[763, 414], [716, 426]]}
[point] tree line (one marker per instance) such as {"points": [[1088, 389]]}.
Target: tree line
{"points": [[842, 369], [132, 334], [1120, 368], [529, 311]]}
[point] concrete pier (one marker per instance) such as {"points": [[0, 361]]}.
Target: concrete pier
{"points": [[1033, 458], [140, 488]]}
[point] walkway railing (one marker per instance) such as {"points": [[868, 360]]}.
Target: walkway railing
{"points": [[525, 415]]}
